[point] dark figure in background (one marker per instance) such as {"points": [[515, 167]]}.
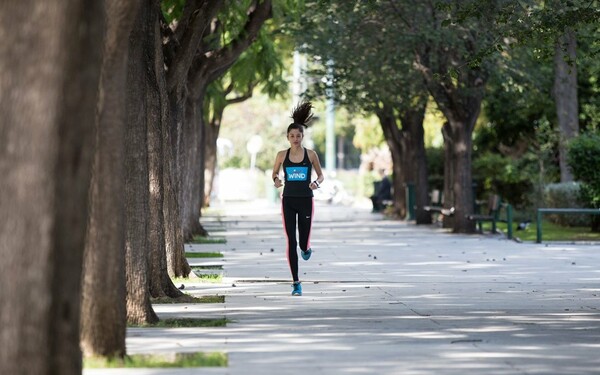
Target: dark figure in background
{"points": [[383, 192]]}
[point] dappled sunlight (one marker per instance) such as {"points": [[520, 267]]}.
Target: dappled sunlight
{"points": [[486, 329], [425, 335], [507, 354], [401, 298]]}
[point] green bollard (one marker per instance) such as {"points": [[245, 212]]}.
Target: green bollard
{"points": [[410, 201], [539, 227], [509, 221]]}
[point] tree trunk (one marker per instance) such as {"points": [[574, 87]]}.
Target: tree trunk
{"points": [[461, 108], [177, 264], [182, 46], [191, 172], [210, 147], [416, 166], [398, 178], [206, 68], [158, 116], [449, 163], [565, 97], [139, 77], [393, 137], [201, 126], [49, 78], [103, 318], [461, 179]]}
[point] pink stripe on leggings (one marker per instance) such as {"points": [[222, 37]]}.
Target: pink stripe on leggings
{"points": [[312, 216], [287, 239]]}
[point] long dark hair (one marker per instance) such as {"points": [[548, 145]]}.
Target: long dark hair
{"points": [[302, 115]]}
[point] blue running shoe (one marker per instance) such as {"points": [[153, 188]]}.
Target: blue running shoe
{"points": [[297, 289], [306, 254]]}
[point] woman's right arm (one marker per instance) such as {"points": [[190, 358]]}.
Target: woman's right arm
{"points": [[278, 161]]}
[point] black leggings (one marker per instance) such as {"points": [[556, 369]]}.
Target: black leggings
{"points": [[292, 207]]}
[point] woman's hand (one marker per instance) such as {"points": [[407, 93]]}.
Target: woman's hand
{"points": [[277, 182], [314, 185]]}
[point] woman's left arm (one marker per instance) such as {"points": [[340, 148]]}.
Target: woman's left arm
{"points": [[314, 159]]}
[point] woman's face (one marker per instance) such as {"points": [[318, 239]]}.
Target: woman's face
{"points": [[295, 137]]}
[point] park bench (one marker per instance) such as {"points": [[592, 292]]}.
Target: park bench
{"points": [[540, 211], [493, 208], [437, 204]]}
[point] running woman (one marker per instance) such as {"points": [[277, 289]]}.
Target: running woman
{"points": [[297, 199]]}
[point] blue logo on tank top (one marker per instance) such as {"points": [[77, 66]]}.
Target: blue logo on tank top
{"points": [[297, 173]]}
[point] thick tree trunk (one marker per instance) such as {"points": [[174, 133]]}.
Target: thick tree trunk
{"points": [[49, 77], [103, 318], [139, 78], [412, 124], [191, 172], [462, 180], [393, 137], [158, 117], [156, 235], [461, 108], [177, 264], [565, 97]]}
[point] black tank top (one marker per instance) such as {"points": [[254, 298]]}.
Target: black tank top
{"points": [[297, 176]]}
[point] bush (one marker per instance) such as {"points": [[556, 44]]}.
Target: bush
{"points": [[566, 195], [504, 176], [584, 160]]}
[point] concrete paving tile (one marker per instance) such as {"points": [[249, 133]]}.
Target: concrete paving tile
{"points": [[386, 297]]}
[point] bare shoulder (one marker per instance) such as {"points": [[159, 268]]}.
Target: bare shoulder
{"points": [[281, 155], [312, 154]]}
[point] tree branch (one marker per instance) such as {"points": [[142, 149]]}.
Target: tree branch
{"points": [[245, 96], [213, 64], [171, 44], [191, 39]]}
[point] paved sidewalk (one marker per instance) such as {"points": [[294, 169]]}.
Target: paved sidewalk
{"points": [[387, 297]]}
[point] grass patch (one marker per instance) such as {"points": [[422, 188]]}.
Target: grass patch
{"points": [[175, 360], [189, 254], [189, 299], [208, 240], [185, 323], [213, 267], [199, 277], [209, 277], [190, 323], [550, 232]]}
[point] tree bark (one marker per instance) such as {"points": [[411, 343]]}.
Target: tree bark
{"points": [[183, 45], [565, 97], [177, 264], [416, 165], [158, 117], [103, 320], [49, 78], [462, 179], [205, 68], [459, 99], [393, 137], [139, 77], [449, 164], [210, 147], [192, 170]]}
